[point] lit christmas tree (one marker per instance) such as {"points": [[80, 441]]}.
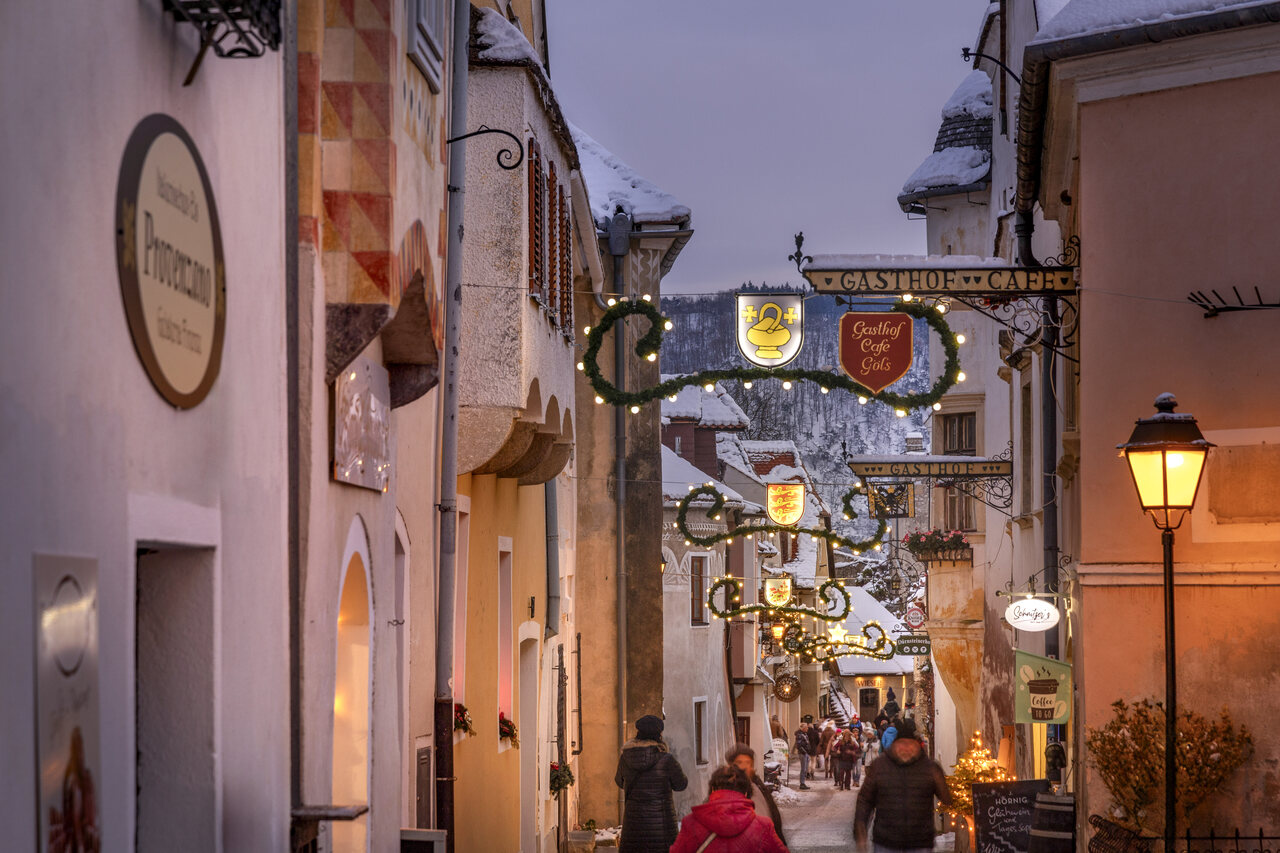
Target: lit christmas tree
{"points": [[974, 765]]}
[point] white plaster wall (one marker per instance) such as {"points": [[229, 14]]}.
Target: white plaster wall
{"points": [[84, 430]]}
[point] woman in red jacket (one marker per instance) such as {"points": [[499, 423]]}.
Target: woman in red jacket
{"points": [[727, 822]]}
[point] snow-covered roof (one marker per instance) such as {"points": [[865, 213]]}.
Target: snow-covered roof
{"points": [[1088, 17], [764, 456], [766, 548], [611, 184], [729, 451], [993, 10], [867, 609], [679, 477], [708, 408], [962, 151], [499, 40], [846, 261]]}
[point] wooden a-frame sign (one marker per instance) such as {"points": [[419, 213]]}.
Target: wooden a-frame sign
{"points": [[909, 274]]}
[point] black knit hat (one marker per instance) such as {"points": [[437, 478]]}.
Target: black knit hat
{"points": [[907, 729], [649, 727]]}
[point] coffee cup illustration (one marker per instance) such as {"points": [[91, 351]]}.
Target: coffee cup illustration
{"points": [[1044, 696]]}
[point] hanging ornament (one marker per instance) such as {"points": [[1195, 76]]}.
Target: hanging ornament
{"points": [[787, 688], [784, 503], [770, 327]]}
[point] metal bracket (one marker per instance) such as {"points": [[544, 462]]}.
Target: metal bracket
{"points": [[1212, 309], [968, 54], [505, 155], [994, 491], [235, 29]]}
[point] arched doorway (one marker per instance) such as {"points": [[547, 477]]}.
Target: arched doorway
{"points": [[351, 694]]}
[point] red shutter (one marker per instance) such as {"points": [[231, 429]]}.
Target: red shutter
{"points": [[566, 268], [535, 217], [553, 248]]}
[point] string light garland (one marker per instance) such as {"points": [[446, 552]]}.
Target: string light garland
{"points": [[717, 504], [823, 649], [831, 591], [651, 342], [974, 765]]}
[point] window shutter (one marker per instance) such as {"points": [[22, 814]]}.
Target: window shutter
{"points": [[566, 268], [536, 222], [553, 248]]}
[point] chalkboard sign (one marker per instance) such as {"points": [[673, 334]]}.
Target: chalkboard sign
{"points": [[1002, 814]]}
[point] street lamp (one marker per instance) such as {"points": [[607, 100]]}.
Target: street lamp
{"points": [[1166, 454]]}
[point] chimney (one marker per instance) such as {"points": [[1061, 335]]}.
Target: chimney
{"points": [[915, 443]]}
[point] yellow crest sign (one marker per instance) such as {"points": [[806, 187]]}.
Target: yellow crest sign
{"points": [[777, 591], [785, 503]]}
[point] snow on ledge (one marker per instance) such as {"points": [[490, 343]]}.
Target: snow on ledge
{"points": [[499, 40], [840, 262], [971, 98], [950, 167], [1087, 17]]}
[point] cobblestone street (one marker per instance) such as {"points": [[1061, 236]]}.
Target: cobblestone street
{"points": [[819, 820]]}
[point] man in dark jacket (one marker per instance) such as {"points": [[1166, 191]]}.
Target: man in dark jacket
{"points": [[647, 774], [744, 757], [804, 749], [899, 789]]}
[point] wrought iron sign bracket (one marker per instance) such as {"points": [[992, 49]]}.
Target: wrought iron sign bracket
{"points": [[994, 491], [1215, 304], [507, 159], [235, 29]]}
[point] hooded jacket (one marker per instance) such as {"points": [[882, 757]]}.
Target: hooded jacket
{"points": [[647, 774], [900, 787], [732, 818]]}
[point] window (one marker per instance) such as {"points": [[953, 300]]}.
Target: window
{"points": [[1025, 437], [959, 438], [506, 640], [677, 447], [700, 731], [426, 20], [697, 590]]}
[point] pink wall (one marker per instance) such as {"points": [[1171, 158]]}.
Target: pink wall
{"points": [[1179, 190]]}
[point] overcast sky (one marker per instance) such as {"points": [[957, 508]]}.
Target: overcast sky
{"points": [[766, 117]]}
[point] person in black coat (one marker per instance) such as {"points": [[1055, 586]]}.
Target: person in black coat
{"points": [[899, 791], [648, 774]]}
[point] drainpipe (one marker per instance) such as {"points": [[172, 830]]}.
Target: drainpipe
{"points": [[292, 396], [553, 559], [619, 236], [443, 728], [1024, 226]]}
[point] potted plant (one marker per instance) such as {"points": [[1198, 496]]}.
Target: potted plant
{"points": [[936, 544], [462, 719], [507, 730], [561, 778]]}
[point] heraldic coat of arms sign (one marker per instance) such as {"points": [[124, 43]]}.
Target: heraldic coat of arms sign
{"points": [[770, 327]]}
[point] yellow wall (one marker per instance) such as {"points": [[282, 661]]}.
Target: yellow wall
{"points": [[487, 791]]}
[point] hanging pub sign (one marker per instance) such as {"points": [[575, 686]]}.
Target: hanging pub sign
{"points": [[770, 327], [169, 260], [784, 502], [896, 275], [1031, 614], [1043, 689], [875, 347], [777, 591]]}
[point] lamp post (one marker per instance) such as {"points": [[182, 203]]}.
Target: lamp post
{"points": [[1166, 455]]}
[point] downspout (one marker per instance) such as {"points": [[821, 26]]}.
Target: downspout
{"points": [[1024, 227], [553, 558], [293, 396], [619, 236], [446, 592]]}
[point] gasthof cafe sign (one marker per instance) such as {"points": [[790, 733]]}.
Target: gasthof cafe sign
{"points": [[169, 259]]}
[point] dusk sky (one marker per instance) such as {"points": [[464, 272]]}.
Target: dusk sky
{"points": [[766, 117]]}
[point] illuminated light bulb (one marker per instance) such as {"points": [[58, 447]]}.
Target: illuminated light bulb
{"points": [[907, 297], [786, 385], [581, 366], [1173, 460], [352, 377], [746, 385], [825, 389], [717, 516], [691, 487], [846, 517], [729, 540], [635, 410], [586, 330], [653, 356], [668, 325], [687, 542], [937, 407], [960, 377], [599, 399], [877, 546], [902, 413], [612, 302], [749, 536], [941, 308], [647, 298], [960, 339], [710, 386], [672, 398]]}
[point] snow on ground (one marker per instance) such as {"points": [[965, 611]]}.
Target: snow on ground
{"points": [[609, 833], [1086, 17], [786, 796], [611, 183], [500, 40]]}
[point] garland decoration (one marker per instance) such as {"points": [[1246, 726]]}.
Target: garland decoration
{"points": [[648, 345], [832, 592], [702, 493], [873, 643]]}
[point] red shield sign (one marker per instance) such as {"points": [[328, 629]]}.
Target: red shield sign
{"points": [[875, 347]]}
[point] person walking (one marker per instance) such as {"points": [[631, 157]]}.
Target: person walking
{"points": [[648, 774], [825, 740], [890, 732], [726, 822], [744, 757], [804, 749], [899, 790], [846, 752], [777, 729], [870, 751]]}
